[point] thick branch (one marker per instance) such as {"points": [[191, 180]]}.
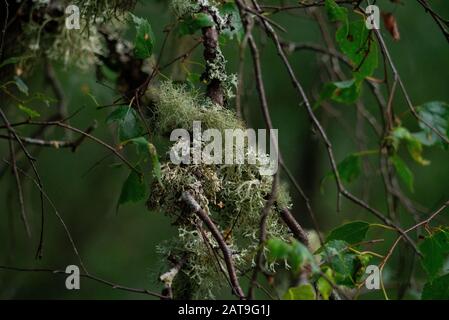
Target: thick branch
{"points": [[212, 56]]}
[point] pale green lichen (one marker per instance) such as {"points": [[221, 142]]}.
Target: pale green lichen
{"points": [[49, 36], [183, 7], [69, 46], [92, 10], [177, 107], [233, 194]]}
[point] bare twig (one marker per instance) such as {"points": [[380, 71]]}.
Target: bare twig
{"points": [[87, 135], [31, 161], [88, 276], [19, 186]]}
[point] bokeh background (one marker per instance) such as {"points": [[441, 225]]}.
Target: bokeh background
{"points": [[121, 247]]}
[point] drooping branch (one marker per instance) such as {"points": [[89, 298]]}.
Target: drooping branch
{"points": [[227, 255]]}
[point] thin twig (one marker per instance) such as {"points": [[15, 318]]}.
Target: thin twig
{"points": [[88, 276]]}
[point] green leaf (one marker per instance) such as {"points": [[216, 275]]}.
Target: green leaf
{"points": [[234, 29], [296, 254], [141, 143], [352, 232], [21, 85], [156, 166], [403, 171], [435, 250], [299, 256], [301, 292], [415, 149], [343, 262], [350, 168], [144, 41], [438, 289], [118, 114], [414, 146], [44, 98], [12, 60], [195, 22], [323, 286], [335, 12], [129, 126], [342, 92], [133, 189], [127, 119], [361, 262], [356, 44], [145, 146], [436, 114], [278, 249], [29, 112], [193, 78]]}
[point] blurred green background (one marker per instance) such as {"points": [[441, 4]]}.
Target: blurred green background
{"points": [[121, 247]]}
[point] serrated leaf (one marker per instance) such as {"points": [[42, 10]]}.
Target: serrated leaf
{"points": [[403, 172], [133, 189], [352, 232], [355, 42], [342, 261], [21, 85], [435, 250], [438, 289], [301, 292], [144, 41], [29, 112]]}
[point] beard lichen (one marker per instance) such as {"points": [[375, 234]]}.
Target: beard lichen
{"points": [[234, 196], [44, 31], [184, 7]]}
